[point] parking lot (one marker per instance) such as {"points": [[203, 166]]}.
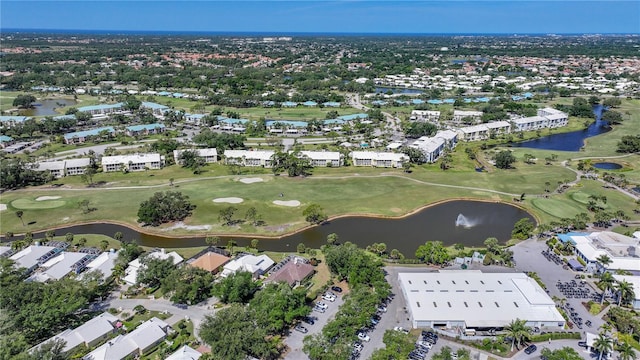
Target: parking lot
{"points": [[294, 340], [560, 282]]}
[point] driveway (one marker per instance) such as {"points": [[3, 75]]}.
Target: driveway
{"points": [[195, 313], [528, 257], [294, 340]]}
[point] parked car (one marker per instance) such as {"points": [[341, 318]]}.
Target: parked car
{"points": [[382, 308], [301, 329], [530, 349], [308, 320], [582, 343], [363, 337], [357, 346], [374, 321], [318, 309], [401, 329], [323, 305], [337, 289], [328, 297]]}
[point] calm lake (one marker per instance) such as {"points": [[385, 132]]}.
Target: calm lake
{"points": [[47, 107], [571, 141], [460, 221]]}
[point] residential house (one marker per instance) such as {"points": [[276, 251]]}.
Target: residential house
{"points": [[104, 263], [323, 158], [185, 353], [210, 155], [378, 159], [293, 270], [136, 343], [211, 260], [80, 137], [135, 162], [145, 129], [498, 127], [256, 265], [32, 256], [530, 123], [131, 273], [88, 334], [249, 157], [61, 265]]}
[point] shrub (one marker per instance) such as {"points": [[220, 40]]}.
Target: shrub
{"points": [[555, 336], [595, 308]]}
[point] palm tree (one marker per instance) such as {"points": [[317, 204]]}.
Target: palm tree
{"points": [[604, 260], [626, 352], [625, 291], [19, 214], [518, 331], [606, 281], [603, 344]]}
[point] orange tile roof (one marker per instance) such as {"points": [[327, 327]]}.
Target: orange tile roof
{"points": [[210, 261]]}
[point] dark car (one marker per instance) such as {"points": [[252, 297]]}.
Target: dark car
{"points": [[308, 320], [530, 349], [336, 289]]}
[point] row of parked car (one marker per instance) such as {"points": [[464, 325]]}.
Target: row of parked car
{"points": [[422, 347]]}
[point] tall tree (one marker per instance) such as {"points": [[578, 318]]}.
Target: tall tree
{"points": [[603, 345], [606, 281], [518, 332]]}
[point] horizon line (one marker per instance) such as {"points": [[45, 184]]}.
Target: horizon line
{"points": [[274, 32]]}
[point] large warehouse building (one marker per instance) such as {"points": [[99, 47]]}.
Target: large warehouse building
{"points": [[464, 300]]}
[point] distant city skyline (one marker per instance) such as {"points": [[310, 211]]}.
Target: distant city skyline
{"points": [[378, 17]]}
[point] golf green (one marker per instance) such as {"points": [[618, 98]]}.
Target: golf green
{"points": [[30, 204], [557, 207]]}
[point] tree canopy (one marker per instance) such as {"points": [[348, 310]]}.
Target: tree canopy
{"points": [[164, 207], [504, 159]]}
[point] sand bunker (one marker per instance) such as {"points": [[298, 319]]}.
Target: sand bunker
{"points": [[181, 225], [45, 198], [251, 180], [292, 203], [230, 200], [3, 207]]}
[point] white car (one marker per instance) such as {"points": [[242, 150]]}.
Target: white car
{"points": [[363, 337], [382, 308], [401, 329], [426, 344], [328, 297], [322, 305]]}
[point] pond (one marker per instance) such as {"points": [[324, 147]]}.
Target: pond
{"points": [[607, 166], [384, 90], [47, 107], [458, 221], [571, 141]]}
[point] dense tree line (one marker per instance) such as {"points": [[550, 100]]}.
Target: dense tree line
{"points": [[18, 173], [31, 311], [238, 331]]}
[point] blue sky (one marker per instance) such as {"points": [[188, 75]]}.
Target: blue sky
{"points": [[355, 16]]}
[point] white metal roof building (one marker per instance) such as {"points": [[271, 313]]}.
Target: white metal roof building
{"points": [[472, 299], [185, 353], [256, 265], [131, 273], [30, 257], [139, 341], [249, 157], [104, 263], [134, 162], [323, 158], [210, 155], [622, 250], [89, 333], [378, 159], [59, 266]]}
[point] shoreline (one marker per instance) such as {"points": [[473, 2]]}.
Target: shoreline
{"points": [[144, 231]]}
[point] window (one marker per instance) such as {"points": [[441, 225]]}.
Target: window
{"points": [[444, 290]]}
